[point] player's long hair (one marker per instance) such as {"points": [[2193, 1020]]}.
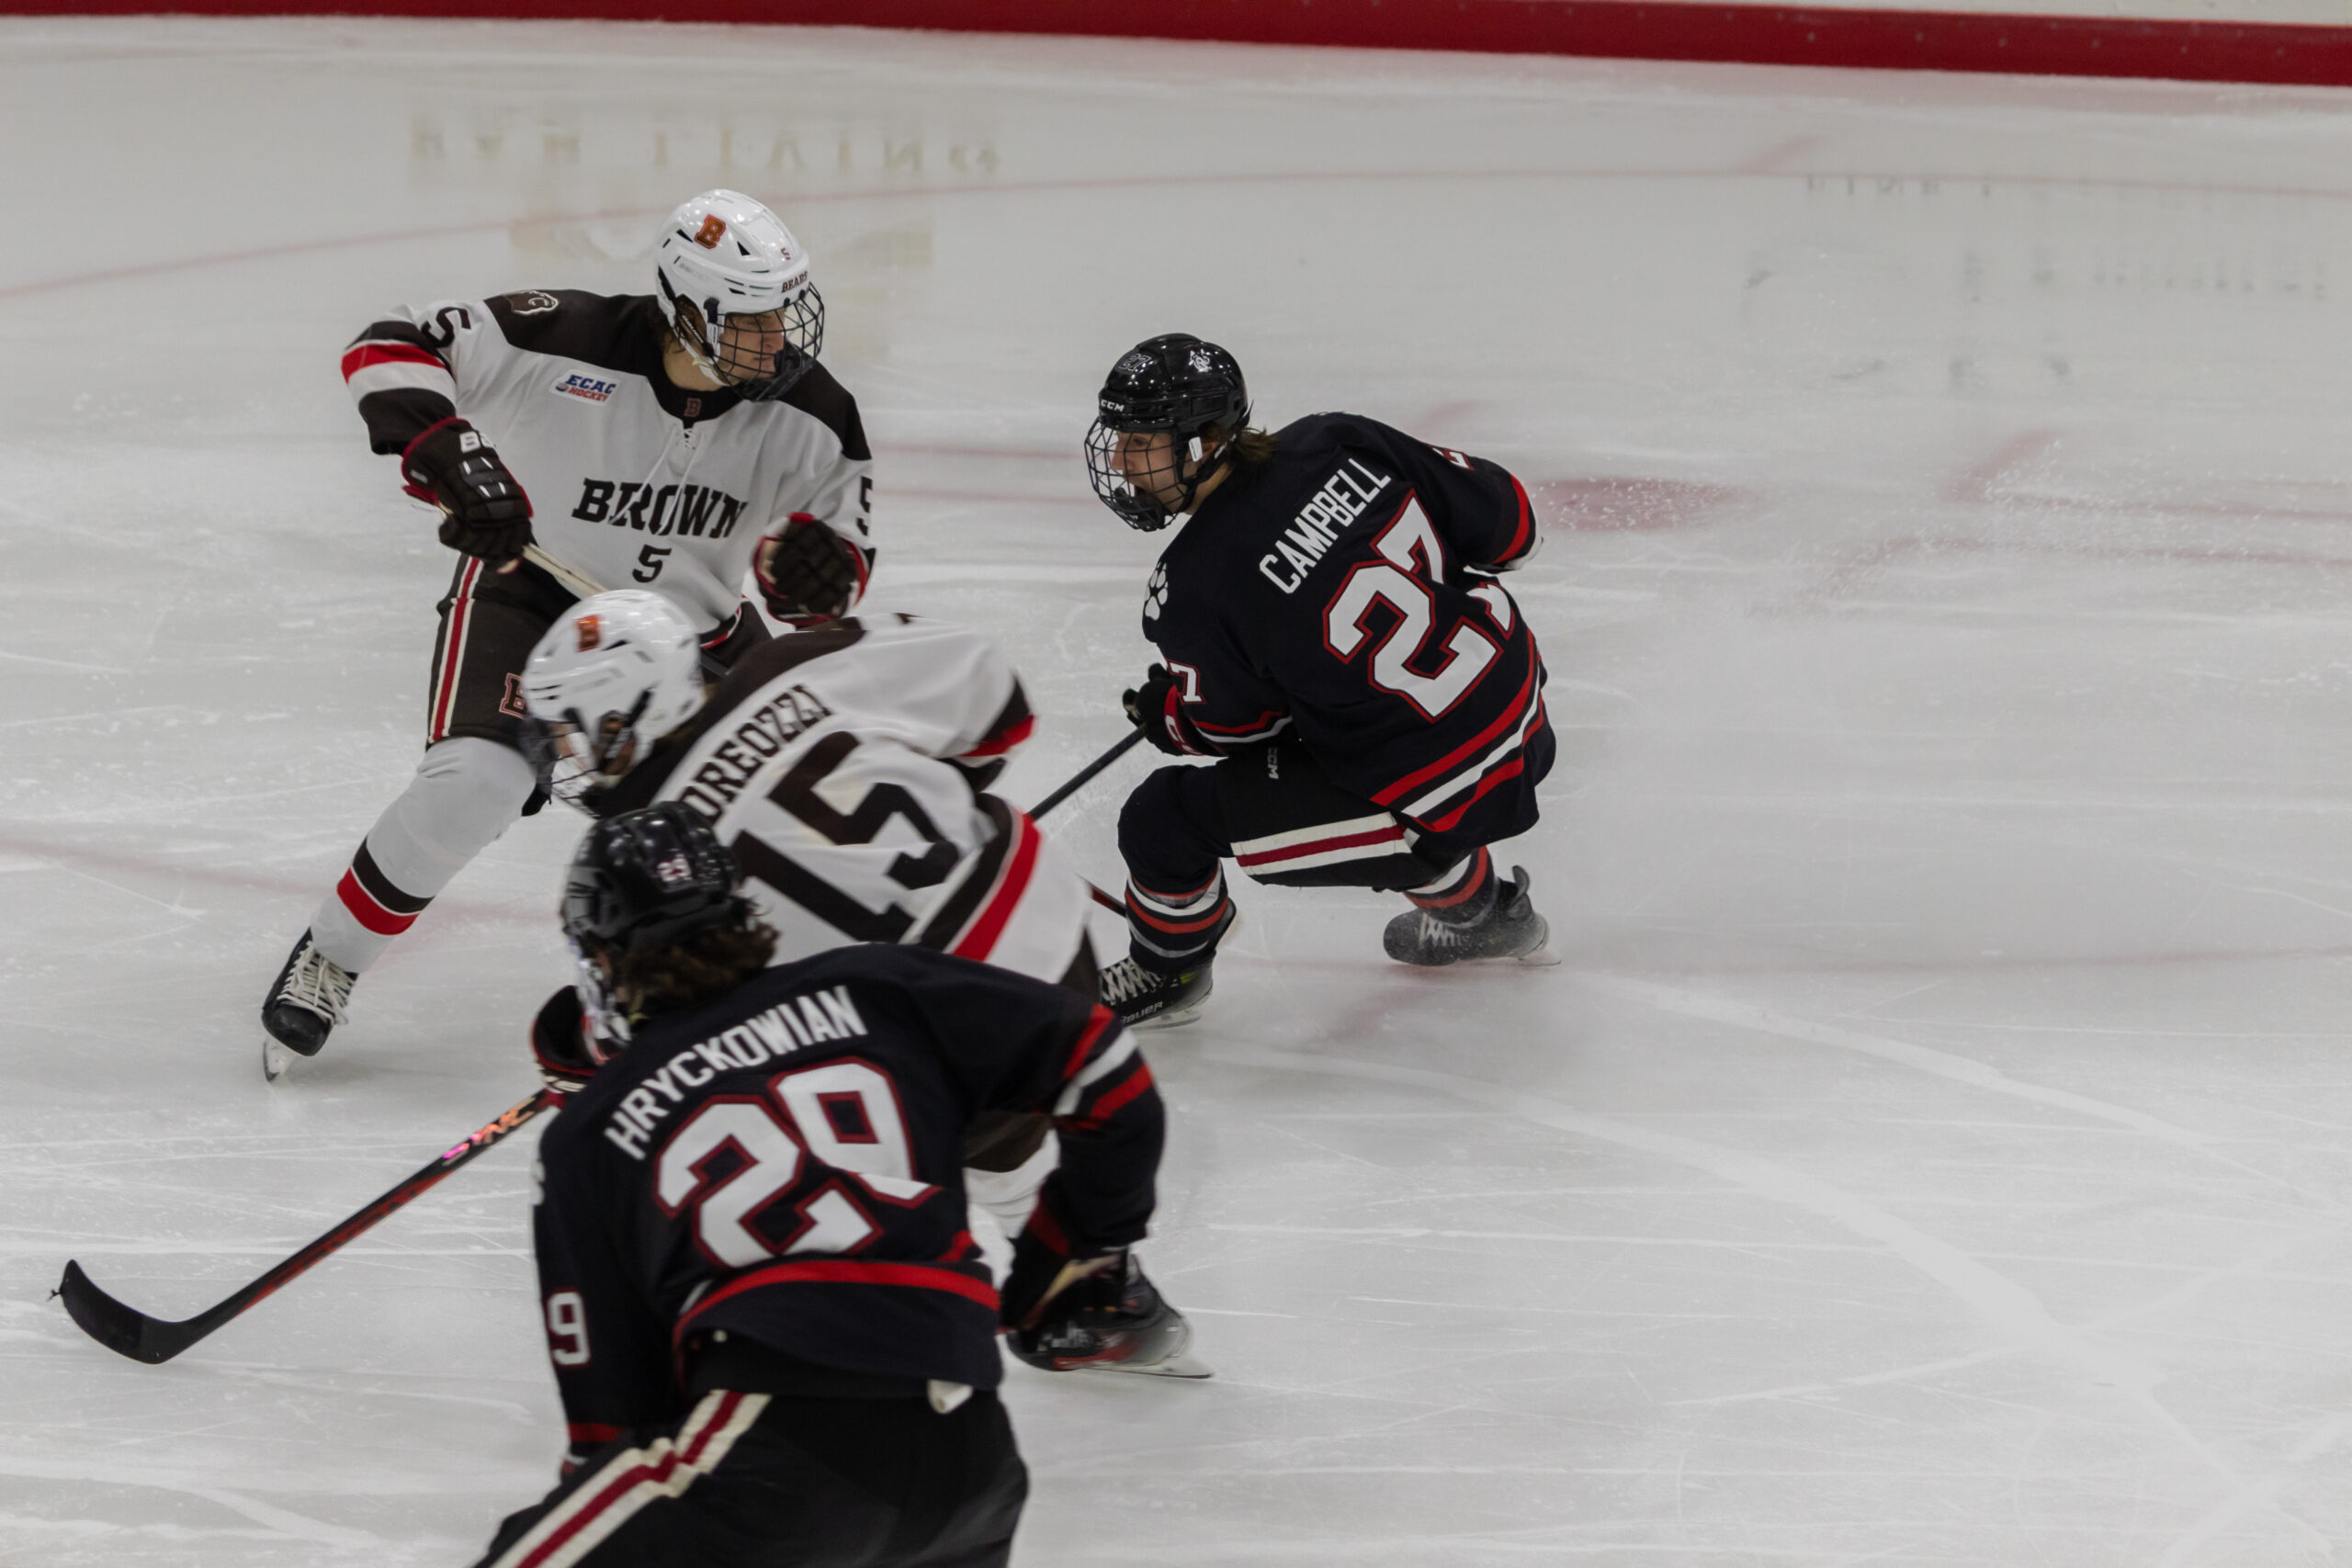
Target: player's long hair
{"points": [[685, 975], [1251, 448]]}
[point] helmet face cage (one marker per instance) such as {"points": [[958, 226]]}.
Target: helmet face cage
{"points": [[575, 759], [734, 351], [1175, 385]]}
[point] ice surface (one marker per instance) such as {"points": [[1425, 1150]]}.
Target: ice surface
{"points": [[1934, 1148]]}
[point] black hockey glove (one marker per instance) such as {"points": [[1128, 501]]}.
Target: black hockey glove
{"points": [[1042, 1275], [484, 511], [807, 573], [559, 1043], [1152, 708]]}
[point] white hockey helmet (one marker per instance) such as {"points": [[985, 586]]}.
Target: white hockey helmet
{"points": [[725, 260], [615, 674]]}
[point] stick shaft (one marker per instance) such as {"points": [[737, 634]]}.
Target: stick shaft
{"points": [[1086, 774], [130, 1332]]}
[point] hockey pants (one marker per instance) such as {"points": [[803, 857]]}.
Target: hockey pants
{"points": [[1276, 814], [775, 1481]]}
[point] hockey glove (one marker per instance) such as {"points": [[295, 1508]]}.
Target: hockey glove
{"points": [[807, 573], [559, 1043], [484, 511], [1042, 1274], [1153, 709]]}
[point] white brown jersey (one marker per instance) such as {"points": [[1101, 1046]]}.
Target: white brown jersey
{"points": [[634, 482], [845, 768]]}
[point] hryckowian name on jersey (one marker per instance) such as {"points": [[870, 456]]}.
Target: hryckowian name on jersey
{"points": [[1340, 502], [772, 726], [699, 512], [790, 1025]]}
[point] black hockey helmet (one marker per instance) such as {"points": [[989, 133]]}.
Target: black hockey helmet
{"points": [[649, 878], [1175, 383]]}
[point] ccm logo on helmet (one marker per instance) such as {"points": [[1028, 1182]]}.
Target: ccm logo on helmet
{"points": [[713, 230]]}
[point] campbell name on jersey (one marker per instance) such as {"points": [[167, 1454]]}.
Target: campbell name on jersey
{"points": [[634, 482], [843, 766], [1345, 592]]}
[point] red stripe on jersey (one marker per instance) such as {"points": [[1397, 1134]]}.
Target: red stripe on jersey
{"points": [[368, 354], [1108, 1106], [848, 1271], [619, 1486], [1509, 769], [1096, 1023], [1322, 846], [1005, 739], [367, 911], [453, 650], [1255, 725], [979, 937], [1526, 522], [1422, 775]]}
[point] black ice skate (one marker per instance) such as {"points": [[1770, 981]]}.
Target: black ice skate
{"points": [[1147, 999], [304, 1005], [1504, 925], [1113, 1322]]}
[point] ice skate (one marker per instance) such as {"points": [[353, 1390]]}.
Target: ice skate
{"points": [[1115, 1322], [306, 1002], [1144, 998], [1506, 926]]}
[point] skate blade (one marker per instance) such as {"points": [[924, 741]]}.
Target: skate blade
{"points": [[275, 1058], [1177, 1366]]}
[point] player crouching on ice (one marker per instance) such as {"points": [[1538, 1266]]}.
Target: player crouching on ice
{"points": [[773, 1339], [571, 442], [1331, 630], [846, 768]]}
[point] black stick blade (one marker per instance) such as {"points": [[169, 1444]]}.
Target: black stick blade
{"points": [[124, 1330]]}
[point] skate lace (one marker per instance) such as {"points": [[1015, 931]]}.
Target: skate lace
{"points": [[1124, 981], [319, 984]]}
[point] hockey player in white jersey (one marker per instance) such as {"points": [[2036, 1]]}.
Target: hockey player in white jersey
{"points": [[571, 441], [846, 768]]}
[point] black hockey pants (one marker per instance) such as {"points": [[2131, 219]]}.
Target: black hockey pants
{"points": [[751, 1480], [1274, 812]]}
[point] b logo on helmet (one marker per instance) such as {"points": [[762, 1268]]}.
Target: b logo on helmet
{"points": [[592, 634], [713, 230]]}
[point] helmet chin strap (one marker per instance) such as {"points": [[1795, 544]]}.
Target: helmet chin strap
{"points": [[1202, 473]]}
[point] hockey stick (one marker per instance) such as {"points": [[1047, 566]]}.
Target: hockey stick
{"points": [[130, 1332], [1078, 782], [1085, 775]]}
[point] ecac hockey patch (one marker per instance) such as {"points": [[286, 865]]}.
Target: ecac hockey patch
{"points": [[586, 387]]}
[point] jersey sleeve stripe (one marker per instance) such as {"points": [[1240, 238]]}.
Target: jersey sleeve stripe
{"points": [[362, 354], [1110, 1062], [1517, 544], [1116, 1099], [1510, 716], [1003, 740], [1101, 1018], [980, 940], [406, 378], [1012, 725], [1264, 724]]}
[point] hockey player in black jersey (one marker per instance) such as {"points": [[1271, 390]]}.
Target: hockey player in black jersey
{"points": [[1333, 632], [773, 1339], [571, 443]]}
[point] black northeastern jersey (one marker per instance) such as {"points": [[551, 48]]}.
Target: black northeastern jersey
{"points": [[634, 482], [1344, 592], [787, 1164]]}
